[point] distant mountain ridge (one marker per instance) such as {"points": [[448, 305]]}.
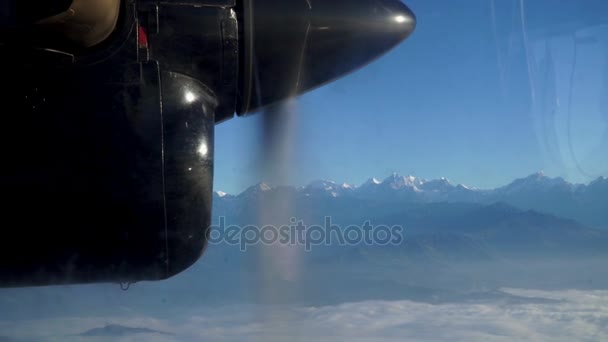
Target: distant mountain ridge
{"points": [[526, 233], [116, 330], [587, 204]]}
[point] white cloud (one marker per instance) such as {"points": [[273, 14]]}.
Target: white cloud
{"points": [[571, 316]]}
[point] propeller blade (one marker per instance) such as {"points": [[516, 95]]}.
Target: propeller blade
{"points": [[277, 264], [292, 47]]}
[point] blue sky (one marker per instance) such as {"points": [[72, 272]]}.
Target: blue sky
{"points": [[478, 98]]}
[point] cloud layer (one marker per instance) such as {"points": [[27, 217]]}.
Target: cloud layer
{"points": [[569, 316]]}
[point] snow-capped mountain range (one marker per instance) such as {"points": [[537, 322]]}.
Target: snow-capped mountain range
{"points": [[440, 188], [586, 203], [448, 228]]}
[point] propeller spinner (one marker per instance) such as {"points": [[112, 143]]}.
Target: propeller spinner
{"points": [[291, 47]]}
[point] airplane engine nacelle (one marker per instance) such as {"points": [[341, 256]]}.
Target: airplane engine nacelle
{"points": [[109, 113]]}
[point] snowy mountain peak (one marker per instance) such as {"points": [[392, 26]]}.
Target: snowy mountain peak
{"points": [[442, 184], [371, 181], [221, 193], [464, 187], [255, 190], [264, 187], [327, 187], [537, 182], [322, 184], [396, 181], [260, 187], [346, 186], [540, 176]]}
